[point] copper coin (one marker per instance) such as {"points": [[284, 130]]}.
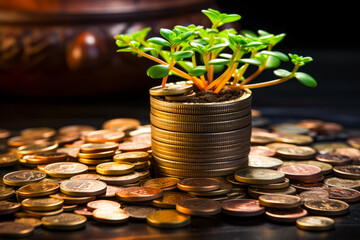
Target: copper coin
{"points": [[138, 194], [348, 171], [65, 169], [170, 199], [315, 223], [23, 177], [276, 145], [132, 157], [15, 229], [133, 177], [314, 194], [311, 124], [257, 192], [334, 159], [300, 171], [38, 189], [198, 184], [73, 200], [296, 152], [69, 208], [4, 133], [51, 156], [75, 130], [279, 185], [262, 151], [121, 124], [91, 176], [140, 212], [345, 183], [264, 162], [102, 204], [354, 142], [64, 221], [101, 136], [285, 215], [99, 147], [242, 207], [168, 218], [6, 192], [110, 192], [110, 215], [262, 138], [35, 222], [327, 207], [83, 187], [131, 146], [289, 128], [199, 207], [83, 211], [300, 187], [330, 128], [7, 207], [38, 132], [350, 152], [291, 138], [280, 201], [345, 194], [164, 183], [8, 159], [43, 204]]}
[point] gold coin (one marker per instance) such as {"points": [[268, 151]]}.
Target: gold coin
{"points": [[297, 152], [72, 199], [276, 145], [15, 229], [354, 142], [64, 221], [289, 128], [171, 89], [38, 189], [140, 212], [102, 203], [7, 207], [314, 194], [91, 176], [280, 201], [292, 138], [139, 194], [23, 177], [259, 176], [99, 147], [94, 161], [133, 177], [315, 223], [75, 130], [170, 199], [327, 207], [36, 148], [328, 147], [42, 204], [39, 214], [8, 159], [257, 192], [199, 207], [110, 215], [136, 156], [115, 168], [279, 185], [83, 187], [168, 219], [6, 192], [344, 183], [35, 222], [121, 124], [348, 171], [65, 169], [105, 135], [38, 132], [199, 184], [264, 162], [164, 183], [96, 155]]}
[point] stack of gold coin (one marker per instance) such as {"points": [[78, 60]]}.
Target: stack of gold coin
{"points": [[35, 148], [140, 159], [93, 154], [193, 141]]}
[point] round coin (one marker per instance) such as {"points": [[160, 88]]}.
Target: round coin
{"points": [[296, 152], [105, 135], [257, 192], [345, 194], [138, 194], [300, 172], [334, 159], [7, 207], [23, 177], [314, 194], [99, 147], [199, 207], [350, 152], [280, 201], [12, 229], [110, 215], [170, 89], [64, 221], [327, 207], [297, 139], [73, 200], [347, 171], [96, 155], [259, 176], [285, 215], [264, 162], [289, 128], [102, 204], [133, 177], [315, 223], [262, 138], [354, 142], [42, 204], [115, 168], [38, 132], [83, 187], [242, 207], [134, 146], [89, 176], [6, 192], [300, 187], [325, 167], [168, 219], [140, 212], [65, 169], [36, 148], [136, 156], [198, 184], [261, 151], [164, 183], [344, 183], [121, 124], [8, 159], [38, 189], [170, 199], [75, 130], [35, 222]]}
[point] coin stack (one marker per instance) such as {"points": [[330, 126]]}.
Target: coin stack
{"points": [[198, 140]]}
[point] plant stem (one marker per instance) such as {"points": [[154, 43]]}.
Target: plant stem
{"points": [[240, 74], [226, 79]]}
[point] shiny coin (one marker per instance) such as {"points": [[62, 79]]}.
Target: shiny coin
{"points": [[83, 211], [348, 171], [98, 147], [344, 183], [285, 215], [36, 148], [345, 194], [83, 187], [38, 132], [170, 199], [115, 168], [300, 172], [39, 214], [102, 204], [262, 138], [110, 215], [35, 222], [264, 162], [136, 156], [65, 169], [133, 177], [4, 133], [328, 147], [110, 192], [170, 90], [132, 146], [276, 145], [96, 155], [291, 138], [354, 142], [50, 157], [93, 161], [164, 183], [23, 177], [325, 167], [315, 223], [73, 200], [199, 207], [42, 204], [297, 152], [140, 212], [350, 152], [38, 189], [261, 151], [7, 160], [7, 207], [314, 194], [198, 184], [138, 194], [69, 208], [300, 187], [75, 130], [101, 136], [6, 192], [289, 128], [330, 128], [279, 185], [225, 187], [311, 124], [257, 192], [242, 207], [168, 219], [64, 221], [11, 229], [280, 201], [259, 176], [90, 176], [334, 159], [232, 180], [121, 124], [327, 207]]}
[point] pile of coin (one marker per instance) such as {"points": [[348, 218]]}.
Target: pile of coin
{"points": [[198, 140]]}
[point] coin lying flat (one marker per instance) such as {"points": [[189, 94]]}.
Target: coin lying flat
{"points": [[327, 207], [354, 142], [75, 130], [262, 138], [300, 187], [6, 192], [64, 221], [36, 148], [105, 135], [170, 199], [43, 132], [279, 185], [138, 194], [168, 219], [225, 187], [345, 194], [136, 156], [23, 177], [289, 128], [344, 183], [334, 159], [121, 124], [72, 199], [280, 201], [115, 168], [296, 152], [133, 177], [262, 151], [242, 207], [35, 222], [169, 90], [110, 192], [7, 207], [96, 155], [348, 171], [90, 176], [65, 169], [301, 172], [140, 212], [353, 153], [291, 138], [15, 229], [83, 187], [314, 195], [38, 189], [325, 167], [164, 183], [42, 204], [102, 204], [198, 184], [7, 160], [99, 147], [285, 215], [199, 207], [110, 215], [315, 223], [259, 176], [257, 192], [264, 162]]}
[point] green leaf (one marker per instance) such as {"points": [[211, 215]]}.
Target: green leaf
{"points": [[182, 54], [306, 79], [272, 62], [250, 61], [158, 71], [231, 18], [226, 55], [124, 50], [219, 61], [282, 73], [159, 41], [197, 71], [279, 55], [217, 46], [211, 15], [165, 33]]}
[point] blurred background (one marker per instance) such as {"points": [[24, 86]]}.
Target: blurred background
{"points": [[59, 66]]}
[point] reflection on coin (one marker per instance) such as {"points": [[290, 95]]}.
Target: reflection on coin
{"points": [[285, 215], [115, 168], [327, 207], [64, 221], [334, 159], [280, 201], [354, 142], [132, 157], [344, 183], [73, 200], [6, 192], [325, 167], [102, 204], [164, 183], [289, 128], [121, 124], [42, 204], [170, 199], [110, 215], [198, 184], [22, 177], [101, 136], [36, 148], [7, 207], [314, 194], [315, 223], [133, 177], [345, 194], [75, 130], [35, 222], [8, 159], [38, 189], [264, 162], [138, 194], [279, 185], [96, 155], [261, 151], [300, 172], [350, 152], [140, 212], [297, 152], [170, 90], [242, 207], [168, 219], [15, 229], [291, 138], [99, 147], [65, 169], [257, 192], [199, 207], [259, 176], [83, 187], [348, 171], [91, 176], [262, 138], [300, 187]]}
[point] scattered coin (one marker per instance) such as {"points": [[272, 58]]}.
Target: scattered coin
{"points": [[7, 207], [6, 192], [199, 207], [83, 211], [259, 176], [102, 204], [242, 207], [102, 136], [134, 146], [334, 159], [315, 223], [110, 192], [121, 124], [89, 176], [38, 132], [300, 187], [345, 194], [350, 152], [264, 162], [140, 212], [354, 142], [344, 183], [289, 128], [301, 172], [64, 221], [36, 148], [280, 201], [325, 167], [279, 185], [311, 124], [257, 192], [13, 229], [285, 215], [7, 160], [75, 130], [23, 177], [164, 183], [136, 156], [98, 147], [328, 147], [276, 145], [170, 199], [65, 169], [327, 207], [297, 152], [170, 90], [42, 204], [168, 219], [198, 184], [133, 177], [347, 171], [115, 168], [262, 138], [291, 138], [139, 194], [35, 222], [314, 194], [262, 151], [96, 155], [73, 200], [38, 189], [110, 215], [83, 187]]}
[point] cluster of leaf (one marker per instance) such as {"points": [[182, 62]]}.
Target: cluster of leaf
{"points": [[203, 53]]}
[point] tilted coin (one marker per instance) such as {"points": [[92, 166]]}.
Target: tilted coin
{"points": [[199, 207], [75, 130], [341, 182], [110, 215], [133, 177], [315, 223], [285, 215], [102, 204], [45, 132], [242, 207], [72, 199], [38, 189], [279, 185], [345, 194], [289, 128], [232, 180], [140, 212], [6, 192], [168, 219], [354, 142], [91, 176], [276, 145], [262, 138], [198, 184], [170, 199], [300, 172], [96, 155], [264, 162], [292, 138], [257, 192], [110, 192], [132, 157], [311, 124], [40, 214], [65, 169], [314, 194], [121, 124], [49, 157], [94, 162], [325, 167], [300, 187], [138, 194], [99, 147], [64, 221], [35, 222], [297, 152], [327, 207], [69, 208], [18, 141], [261, 151], [23, 177], [259, 176], [280, 201], [83, 211], [42, 204], [115, 168], [348, 171], [101, 136], [164, 183], [334, 159], [36, 148], [15, 229], [170, 89], [8, 159], [350, 152], [83, 187], [7, 207]]}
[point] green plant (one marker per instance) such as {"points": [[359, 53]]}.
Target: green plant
{"points": [[212, 58]]}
